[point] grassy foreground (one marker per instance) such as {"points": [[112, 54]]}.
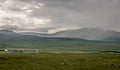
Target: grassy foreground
{"points": [[62, 61]]}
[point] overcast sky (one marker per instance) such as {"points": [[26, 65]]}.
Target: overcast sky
{"points": [[56, 15]]}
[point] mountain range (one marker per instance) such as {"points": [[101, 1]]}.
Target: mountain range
{"points": [[81, 39], [84, 33]]}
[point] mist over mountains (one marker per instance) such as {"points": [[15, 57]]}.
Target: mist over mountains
{"points": [[80, 24], [84, 33], [84, 39]]}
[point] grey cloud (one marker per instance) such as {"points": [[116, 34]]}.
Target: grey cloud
{"points": [[9, 27], [78, 13]]}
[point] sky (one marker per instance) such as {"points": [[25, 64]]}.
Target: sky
{"points": [[49, 16]]}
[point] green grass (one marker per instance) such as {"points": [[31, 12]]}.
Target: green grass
{"points": [[61, 61]]}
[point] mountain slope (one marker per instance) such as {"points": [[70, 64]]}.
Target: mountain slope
{"points": [[12, 39], [90, 34], [84, 33]]}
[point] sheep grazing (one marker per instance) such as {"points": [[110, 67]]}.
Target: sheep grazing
{"points": [[6, 50]]}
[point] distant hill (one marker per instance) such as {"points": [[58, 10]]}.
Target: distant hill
{"points": [[9, 32], [84, 33], [12, 39], [11, 35], [90, 34]]}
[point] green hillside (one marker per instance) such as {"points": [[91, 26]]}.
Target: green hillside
{"points": [[29, 41]]}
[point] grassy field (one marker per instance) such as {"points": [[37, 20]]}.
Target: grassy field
{"points": [[60, 61]]}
